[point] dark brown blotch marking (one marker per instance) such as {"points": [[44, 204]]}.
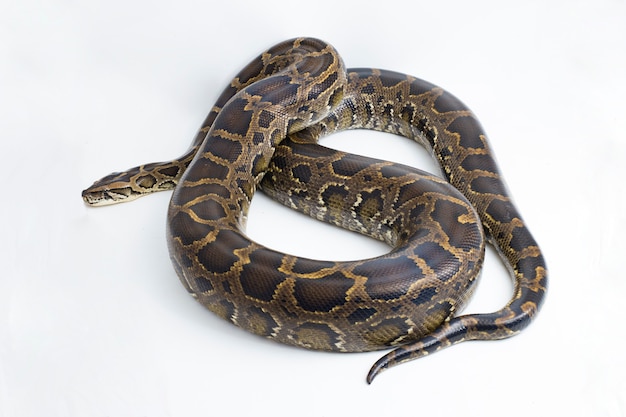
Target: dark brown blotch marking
{"points": [[266, 118], [528, 266], [187, 229], [419, 87], [371, 204], [221, 255], [258, 138], [486, 185], [234, 118], [521, 239], [347, 166], [470, 132], [460, 235], [393, 171], [171, 171], [259, 278], [302, 173], [424, 296], [224, 148], [391, 79], [317, 66], [478, 162], [205, 168], [209, 210], [439, 259], [388, 278], [203, 284], [502, 211], [446, 102], [322, 294]]}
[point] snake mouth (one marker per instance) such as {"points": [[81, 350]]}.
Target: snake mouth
{"points": [[90, 198]]}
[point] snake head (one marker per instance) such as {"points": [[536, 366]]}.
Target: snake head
{"points": [[106, 197], [120, 187], [112, 189]]}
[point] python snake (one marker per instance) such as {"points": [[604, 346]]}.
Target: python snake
{"points": [[263, 131]]}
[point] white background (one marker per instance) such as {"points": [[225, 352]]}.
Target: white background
{"points": [[93, 320]]}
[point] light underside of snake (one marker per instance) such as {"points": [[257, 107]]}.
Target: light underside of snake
{"points": [[263, 132]]}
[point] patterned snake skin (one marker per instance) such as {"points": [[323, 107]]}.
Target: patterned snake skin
{"points": [[263, 132]]}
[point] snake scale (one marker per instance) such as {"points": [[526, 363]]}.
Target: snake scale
{"points": [[262, 132]]}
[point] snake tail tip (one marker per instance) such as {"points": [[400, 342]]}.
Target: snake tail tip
{"points": [[376, 369]]}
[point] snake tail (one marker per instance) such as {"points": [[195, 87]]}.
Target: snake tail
{"points": [[530, 287]]}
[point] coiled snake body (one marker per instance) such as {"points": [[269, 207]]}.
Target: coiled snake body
{"points": [[263, 132]]}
